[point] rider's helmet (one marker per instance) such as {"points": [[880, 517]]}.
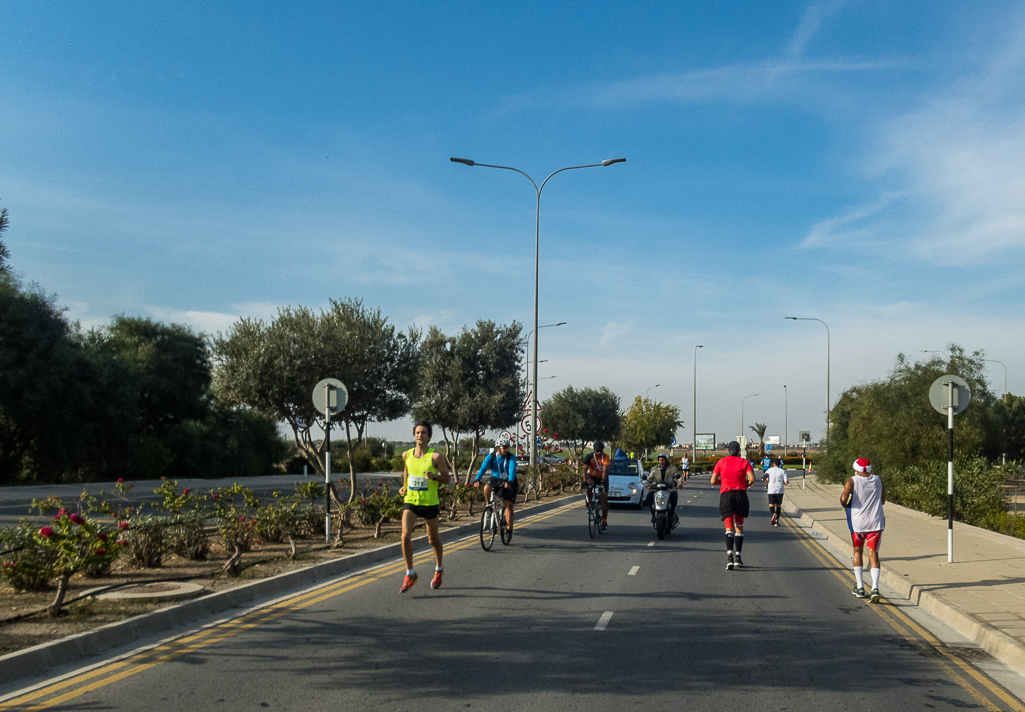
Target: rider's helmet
{"points": [[661, 455], [502, 442], [599, 445]]}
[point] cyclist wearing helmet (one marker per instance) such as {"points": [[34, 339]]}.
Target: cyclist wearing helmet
{"points": [[503, 467], [596, 472]]}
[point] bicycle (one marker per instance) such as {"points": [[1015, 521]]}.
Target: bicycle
{"points": [[594, 523], [492, 519]]}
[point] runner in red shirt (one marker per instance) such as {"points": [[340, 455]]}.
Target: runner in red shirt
{"points": [[734, 475]]}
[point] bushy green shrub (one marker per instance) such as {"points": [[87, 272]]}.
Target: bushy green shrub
{"points": [[146, 540], [978, 493], [187, 537], [27, 566]]}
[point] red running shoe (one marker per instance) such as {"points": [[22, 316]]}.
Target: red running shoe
{"points": [[407, 583], [436, 581]]}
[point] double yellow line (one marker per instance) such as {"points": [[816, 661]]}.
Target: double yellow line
{"points": [[57, 693], [918, 636]]}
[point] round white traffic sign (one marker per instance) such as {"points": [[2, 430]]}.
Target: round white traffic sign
{"points": [[330, 394], [940, 395]]}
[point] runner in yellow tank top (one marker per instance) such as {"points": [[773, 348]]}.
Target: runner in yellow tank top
{"points": [[423, 470]]}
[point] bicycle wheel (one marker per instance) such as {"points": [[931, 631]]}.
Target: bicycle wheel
{"points": [[592, 523], [597, 514], [487, 528]]}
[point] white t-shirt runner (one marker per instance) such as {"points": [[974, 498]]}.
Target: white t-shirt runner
{"points": [[777, 478]]}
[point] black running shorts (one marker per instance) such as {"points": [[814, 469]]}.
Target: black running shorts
{"points": [[776, 499], [422, 510], [734, 503]]}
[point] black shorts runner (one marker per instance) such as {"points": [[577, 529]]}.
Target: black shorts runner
{"points": [[424, 511], [776, 498], [734, 503]]}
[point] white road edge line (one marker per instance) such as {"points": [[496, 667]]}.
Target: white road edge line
{"points": [[604, 620], [634, 570]]}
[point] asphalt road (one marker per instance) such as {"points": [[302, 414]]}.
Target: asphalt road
{"points": [[558, 621]]}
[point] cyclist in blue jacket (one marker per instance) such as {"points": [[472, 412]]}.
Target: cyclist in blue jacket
{"points": [[503, 472]]}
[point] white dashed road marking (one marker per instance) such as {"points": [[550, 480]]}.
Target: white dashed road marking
{"points": [[651, 543], [634, 570], [604, 620]]}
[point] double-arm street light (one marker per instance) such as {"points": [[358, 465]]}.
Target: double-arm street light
{"points": [[537, 247], [811, 318], [742, 410], [694, 422]]}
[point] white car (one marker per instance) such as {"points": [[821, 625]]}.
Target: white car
{"points": [[626, 485]]}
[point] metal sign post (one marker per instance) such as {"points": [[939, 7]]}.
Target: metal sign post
{"points": [[950, 395], [329, 397]]}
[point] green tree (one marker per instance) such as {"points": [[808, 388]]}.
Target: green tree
{"points": [[759, 430], [649, 423], [470, 383], [273, 368], [1010, 413], [892, 422], [5, 267], [583, 415], [38, 385]]}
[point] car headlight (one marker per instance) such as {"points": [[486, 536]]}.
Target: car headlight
{"points": [[633, 486]]}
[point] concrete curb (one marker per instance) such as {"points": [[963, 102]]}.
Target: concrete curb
{"points": [[34, 661], [998, 644]]}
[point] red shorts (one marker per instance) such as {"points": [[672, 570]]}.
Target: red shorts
{"points": [[870, 538]]}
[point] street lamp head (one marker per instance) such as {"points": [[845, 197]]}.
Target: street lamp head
{"points": [[464, 161], [607, 161], [559, 324], [786, 317]]}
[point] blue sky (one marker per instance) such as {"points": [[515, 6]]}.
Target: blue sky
{"points": [[858, 162]]}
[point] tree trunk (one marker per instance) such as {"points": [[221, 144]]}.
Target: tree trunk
{"points": [[231, 565], [291, 545], [54, 609], [377, 529]]}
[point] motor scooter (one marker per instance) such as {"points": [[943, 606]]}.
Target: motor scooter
{"points": [[663, 522]]}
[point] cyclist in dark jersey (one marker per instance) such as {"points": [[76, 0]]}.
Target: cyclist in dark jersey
{"points": [[734, 475]]}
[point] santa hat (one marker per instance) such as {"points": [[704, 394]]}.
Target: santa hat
{"points": [[863, 465]]}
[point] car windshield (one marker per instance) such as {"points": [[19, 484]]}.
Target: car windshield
{"points": [[624, 467]]}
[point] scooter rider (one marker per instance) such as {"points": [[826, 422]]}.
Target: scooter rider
{"points": [[666, 474]]}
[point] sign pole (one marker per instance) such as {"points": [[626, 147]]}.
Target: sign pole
{"points": [[951, 404], [327, 464]]}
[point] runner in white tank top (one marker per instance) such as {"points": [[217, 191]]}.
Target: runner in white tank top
{"points": [[863, 497]]}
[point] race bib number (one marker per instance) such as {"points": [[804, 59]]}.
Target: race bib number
{"points": [[417, 484]]}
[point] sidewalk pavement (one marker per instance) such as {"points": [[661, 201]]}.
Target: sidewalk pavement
{"points": [[981, 594]]}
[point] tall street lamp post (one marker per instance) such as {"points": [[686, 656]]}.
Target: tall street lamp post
{"points": [[649, 390], [1003, 455], [811, 318], [786, 421], [742, 410], [537, 248], [694, 421]]}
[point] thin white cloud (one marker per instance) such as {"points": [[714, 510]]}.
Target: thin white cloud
{"points": [[959, 160]]}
